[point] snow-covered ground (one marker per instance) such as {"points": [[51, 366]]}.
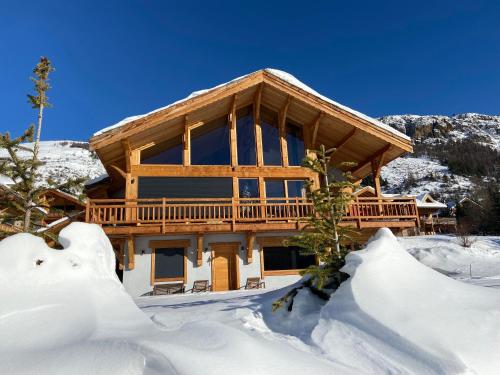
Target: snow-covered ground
{"points": [[64, 312], [479, 264]]}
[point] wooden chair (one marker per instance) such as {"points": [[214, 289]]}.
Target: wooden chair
{"points": [[254, 283], [172, 288], [200, 286]]}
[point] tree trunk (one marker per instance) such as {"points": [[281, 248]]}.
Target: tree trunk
{"points": [[36, 149]]}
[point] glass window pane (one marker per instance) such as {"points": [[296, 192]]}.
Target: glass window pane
{"points": [[296, 188], [270, 137], [249, 188], [185, 187], [169, 263], [210, 143], [275, 189], [286, 258], [245, 131], [295, 144], [167, 152]]}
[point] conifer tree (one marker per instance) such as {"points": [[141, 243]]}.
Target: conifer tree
{"points": [[23, 171], [323, 235]]}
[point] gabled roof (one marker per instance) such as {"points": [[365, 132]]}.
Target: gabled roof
{"points": [[284, 76], [360, 137]]}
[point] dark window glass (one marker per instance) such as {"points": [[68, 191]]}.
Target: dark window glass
{"points": [[295, 144], [286, 258], [169, 263], [185, 187], [296, 188], [210, 143], [168, 152], [249, 187], [270, 137], [275, 189], [245, 132]]}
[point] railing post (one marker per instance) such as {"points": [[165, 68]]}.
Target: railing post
{"points": [[358, 210], [233, 213], [297, 208], [87, 211], [163, 208]]}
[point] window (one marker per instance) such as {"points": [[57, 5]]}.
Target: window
{"points": [[296, 188], [169, 260], [275, 189], [295, 144], [185, 187], [271, 148], [167, 152], [281, 258], [245, 131], [210, 143], [249, 188], [169, 264]]}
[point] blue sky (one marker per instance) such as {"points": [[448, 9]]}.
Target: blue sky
{"points": [[114, 59]]}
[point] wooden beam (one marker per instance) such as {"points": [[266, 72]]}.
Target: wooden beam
{"points": [[258, 130], [342, 142], [282, 132], [128, 154], [250, 243], [220, 171], [232, 129], [186, 140], [315, 128], [119, 170], [131, 252], [199, 249], [380, 152]]}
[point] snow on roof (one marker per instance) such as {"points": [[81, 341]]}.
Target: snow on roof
{"points": [[423, 200], [287, 77], [96, 180]]}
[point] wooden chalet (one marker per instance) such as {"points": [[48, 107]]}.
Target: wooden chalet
{"points": [[208, 187]]}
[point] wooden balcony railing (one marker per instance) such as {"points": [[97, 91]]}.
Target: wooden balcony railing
{"points": [[168, 211]]}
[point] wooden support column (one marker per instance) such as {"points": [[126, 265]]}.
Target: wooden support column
{"points": [[232, 131], [258, 130], [131, 252], [376, 169], [282, 132], [314, 130], [250, 243], [186, 139], [199, 249]]}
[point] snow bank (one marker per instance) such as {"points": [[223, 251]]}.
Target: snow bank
{"points": [[395, 315], [65, 311]]}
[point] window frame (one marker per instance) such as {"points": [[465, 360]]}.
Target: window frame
{"points": [[205, 123], [276, 242], [168, 244]]}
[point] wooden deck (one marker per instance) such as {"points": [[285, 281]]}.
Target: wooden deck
{"points": [[161, 216]]}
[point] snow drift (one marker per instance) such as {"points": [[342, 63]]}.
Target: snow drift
{"points": [[65, 311], [395, 315]]}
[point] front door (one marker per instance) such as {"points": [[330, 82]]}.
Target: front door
{"points": [[225, 267]]}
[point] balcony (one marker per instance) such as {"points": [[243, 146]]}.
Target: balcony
{"points": [[166, 215]]}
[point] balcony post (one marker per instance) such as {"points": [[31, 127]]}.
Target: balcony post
{"points": [[87, 211], [163, 209]]}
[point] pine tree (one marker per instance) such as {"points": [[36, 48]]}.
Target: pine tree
{"points": [[24, 171], [323, 235], [38, 101]]}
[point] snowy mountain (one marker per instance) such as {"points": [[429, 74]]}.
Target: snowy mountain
{"points": [[63, 160], [429, 169], [413, 174]]}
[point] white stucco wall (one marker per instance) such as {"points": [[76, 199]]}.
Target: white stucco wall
{"points": [[138, 280]]}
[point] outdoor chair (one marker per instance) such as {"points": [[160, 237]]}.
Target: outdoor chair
{"points": [[254, 283], [200, 286], [172, 288]]}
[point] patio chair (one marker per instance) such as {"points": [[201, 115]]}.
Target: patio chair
{"points": [[254, 283], [171, 288], [200, 286]]}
